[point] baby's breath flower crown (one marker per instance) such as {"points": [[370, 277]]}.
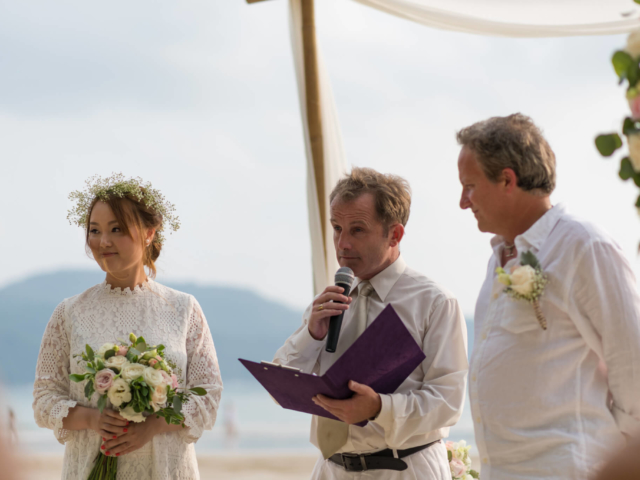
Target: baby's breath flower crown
{"points": [[118, 185]]}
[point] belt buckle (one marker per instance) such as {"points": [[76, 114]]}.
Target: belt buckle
{"points": [[363, 462]]}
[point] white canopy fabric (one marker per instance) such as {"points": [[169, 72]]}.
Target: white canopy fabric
{"points": [[518, 18], [505, 18]]}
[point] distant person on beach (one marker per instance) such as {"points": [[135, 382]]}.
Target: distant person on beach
{"points": [[369, 212], [557, 321], [124, 222]]}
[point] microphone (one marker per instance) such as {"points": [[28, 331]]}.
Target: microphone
{"points": [[344, 279]]}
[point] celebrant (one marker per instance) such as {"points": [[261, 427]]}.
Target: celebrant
{"points": [[369, 212], [125, 221], [555, 377]]}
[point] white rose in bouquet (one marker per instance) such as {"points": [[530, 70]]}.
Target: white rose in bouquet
{"points": [[158, 397], [119, 392], [116, 362], [633, 44], [132, 371], [105, 348], [130, 414], [634, 151], [522, 280], [153, 377]]}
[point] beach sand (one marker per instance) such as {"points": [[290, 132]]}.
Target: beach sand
{"points": [[220, 467]]}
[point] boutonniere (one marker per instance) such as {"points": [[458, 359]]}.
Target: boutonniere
{"points": [[526, 282]]}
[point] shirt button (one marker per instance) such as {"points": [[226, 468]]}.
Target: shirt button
{"points": [[473, 378], [478, 420], [485, 460], [495, 296], [484, 336]]}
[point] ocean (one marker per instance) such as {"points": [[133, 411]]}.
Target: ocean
{"points": [[249, 421]]}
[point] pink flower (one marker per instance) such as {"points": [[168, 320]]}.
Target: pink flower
{"points": [[458, 469], [159, 358], [174, 381], [167, 379], [152, 362], [634, 105], [450, 446], [104, 379], [122, 351]]}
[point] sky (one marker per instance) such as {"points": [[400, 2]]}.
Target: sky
{"points": [[199, 98]]}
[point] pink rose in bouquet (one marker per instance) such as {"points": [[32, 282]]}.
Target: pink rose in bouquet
{"points": [[458, 468], [104, 380]]}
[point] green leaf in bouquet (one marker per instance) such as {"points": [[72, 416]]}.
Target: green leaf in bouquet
{"points": [[142, 346], [102, 402], [88, 389], [90, 369], [626, 169], [198, 391], [621, 61], [90, 354], [474, 474], [449, 455], [630, 126], [109, 353], [177, 404], [608, 143], [528, 258], [145, 391], [99, 364], [76, 377], [160, 349], [638, 202]]}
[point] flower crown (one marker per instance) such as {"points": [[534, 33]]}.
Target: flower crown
{"points": [[118, 185]]}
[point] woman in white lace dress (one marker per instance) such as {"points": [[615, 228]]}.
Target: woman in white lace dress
{"points": [[123, 222]]}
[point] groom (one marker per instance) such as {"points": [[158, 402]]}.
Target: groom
{"points": [[540, 398], [369, 211]]}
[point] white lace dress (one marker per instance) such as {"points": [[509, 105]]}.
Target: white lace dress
{"points": [[100, 315]]}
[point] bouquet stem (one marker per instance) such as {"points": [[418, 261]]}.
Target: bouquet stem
{"points": [[539, 315], [105, 468]]}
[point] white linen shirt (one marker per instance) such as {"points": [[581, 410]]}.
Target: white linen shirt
{"points": [[431, 399], [539, 398]]}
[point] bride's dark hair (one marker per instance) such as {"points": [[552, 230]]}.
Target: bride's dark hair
{"points": [[133, 214]]}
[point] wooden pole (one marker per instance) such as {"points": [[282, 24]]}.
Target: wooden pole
{"points": [[314, 112]]}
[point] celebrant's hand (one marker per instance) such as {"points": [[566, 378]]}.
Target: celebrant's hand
{"points": [[324, 308], [109, 424], [365, 404]]}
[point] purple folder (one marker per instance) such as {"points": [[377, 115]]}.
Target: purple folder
{"points": [[382, 358]]}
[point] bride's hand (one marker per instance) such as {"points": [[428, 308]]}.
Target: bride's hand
{"points": [[109, 424], [136, 436]]}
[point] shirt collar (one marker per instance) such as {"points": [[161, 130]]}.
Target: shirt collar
{"points": [[537, 233], [384, 281]]}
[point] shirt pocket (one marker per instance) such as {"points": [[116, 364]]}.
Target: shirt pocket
{"points": [[518, 316]]}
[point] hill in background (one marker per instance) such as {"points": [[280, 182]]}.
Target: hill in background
{"points": [[243, 324]]}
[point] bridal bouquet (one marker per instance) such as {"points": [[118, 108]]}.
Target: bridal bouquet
{"points": [[138, 382], [460, 461]]}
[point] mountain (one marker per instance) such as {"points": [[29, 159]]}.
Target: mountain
{"points": [[243, 324]]}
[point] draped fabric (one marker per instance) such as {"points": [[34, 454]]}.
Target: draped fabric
{"points": [[505, 18], [334, 164]]}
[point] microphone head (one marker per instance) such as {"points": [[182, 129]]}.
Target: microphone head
{"points": [[345, 276]]}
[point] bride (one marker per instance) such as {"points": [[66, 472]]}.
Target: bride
{"points": [[124, 221]]}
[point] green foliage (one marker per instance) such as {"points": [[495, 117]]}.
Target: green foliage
{"points": [[109, 353], [626, 169], [474, 474], [102, 402], [76, 378], [622, 63], [177, 404], [199, 391], [608, 143], [449, 455], [528, 258], [630, 126], [90, 354], [88, 389], [638, 202]]}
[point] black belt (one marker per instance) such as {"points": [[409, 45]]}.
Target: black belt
{"points": [[382, 460]]}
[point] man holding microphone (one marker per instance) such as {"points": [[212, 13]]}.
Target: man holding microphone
{"points": [[369, 212]]}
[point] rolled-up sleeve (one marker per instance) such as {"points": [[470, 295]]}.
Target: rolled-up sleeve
{"points": [[51, 400], [301, 350], [202, 371], [438, 403], [604, 302]]}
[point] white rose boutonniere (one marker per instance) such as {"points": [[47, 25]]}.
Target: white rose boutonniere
{"points": [[526, 282]]}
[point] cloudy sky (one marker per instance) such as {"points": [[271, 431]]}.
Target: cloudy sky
{"points": [[199, 98]]}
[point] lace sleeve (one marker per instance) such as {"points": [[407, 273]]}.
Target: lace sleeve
{"points": [[51, 402], [202, 371]]}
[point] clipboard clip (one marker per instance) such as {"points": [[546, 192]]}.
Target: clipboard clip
{"points": [[284, 367]]}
